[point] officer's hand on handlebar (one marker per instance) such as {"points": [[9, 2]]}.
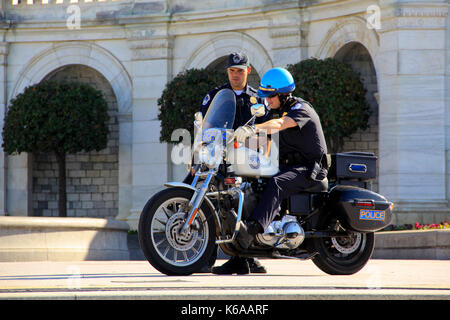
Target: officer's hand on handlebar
{"points": [[244, 132]]}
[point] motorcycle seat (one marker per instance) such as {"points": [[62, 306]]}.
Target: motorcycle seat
{"points": [[320, 186]]}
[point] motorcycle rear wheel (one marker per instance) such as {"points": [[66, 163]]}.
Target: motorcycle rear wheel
{"points": [[341, 255], [162, 245]]}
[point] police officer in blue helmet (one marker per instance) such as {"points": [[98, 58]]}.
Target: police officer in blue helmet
{"points": [[302, 150]]}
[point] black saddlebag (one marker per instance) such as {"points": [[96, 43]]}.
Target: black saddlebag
{"points": [[360, 209], [353, 168]]}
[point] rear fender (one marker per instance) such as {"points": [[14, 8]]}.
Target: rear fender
{"points": [[361, 210]]}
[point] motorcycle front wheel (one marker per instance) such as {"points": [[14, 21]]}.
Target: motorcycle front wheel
{"points": [[341, 255], [164, 247]]}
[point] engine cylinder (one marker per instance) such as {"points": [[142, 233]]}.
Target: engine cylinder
{"points": [[284, 234], [293, 235]]}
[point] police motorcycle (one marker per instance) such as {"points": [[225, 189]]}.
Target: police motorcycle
{"points": [[182, 225]]}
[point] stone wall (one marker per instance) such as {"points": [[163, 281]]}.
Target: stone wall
{"points": [[92, 178], [138, 46]]}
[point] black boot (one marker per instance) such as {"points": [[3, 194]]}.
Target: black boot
{"points": [[247, 232], [255, 266], [238, 265]]}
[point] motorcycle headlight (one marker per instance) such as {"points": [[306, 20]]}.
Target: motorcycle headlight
{"points": [[215, 155], [203, 154], [211, 149], [211, 155]]}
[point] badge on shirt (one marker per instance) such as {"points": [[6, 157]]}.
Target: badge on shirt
{"points": [[253, 100], [297, 106], [206, 100]]}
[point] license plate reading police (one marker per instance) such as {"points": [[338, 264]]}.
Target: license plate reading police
{"points": [[377, 215]]}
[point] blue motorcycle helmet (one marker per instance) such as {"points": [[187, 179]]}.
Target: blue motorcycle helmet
{"points": [[276, 81]]}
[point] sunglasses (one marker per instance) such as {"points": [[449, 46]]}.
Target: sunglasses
{"points": [[272, 95]]}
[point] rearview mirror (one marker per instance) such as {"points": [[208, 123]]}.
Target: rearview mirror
{"points": [[198, 119], [258, 110]]}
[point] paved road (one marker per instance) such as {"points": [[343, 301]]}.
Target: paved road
{"points": [[286, 279]]}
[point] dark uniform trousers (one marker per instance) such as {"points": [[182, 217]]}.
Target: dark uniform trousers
{"points": [[301, 160], [289, 181]]}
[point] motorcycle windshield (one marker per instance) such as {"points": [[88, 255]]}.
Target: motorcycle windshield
{"points": [[221, 111]]}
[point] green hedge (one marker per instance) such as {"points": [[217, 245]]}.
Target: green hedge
{"points": [[56, 117], [183, 97]]}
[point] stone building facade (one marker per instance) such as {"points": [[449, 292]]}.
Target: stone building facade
{"points": [[130, 49]]}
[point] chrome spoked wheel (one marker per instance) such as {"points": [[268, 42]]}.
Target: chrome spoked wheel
{"points": [[173, 247], [168, 250], [347, 245]]}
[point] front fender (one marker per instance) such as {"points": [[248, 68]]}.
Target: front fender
{"points": [[179, 185], [208, 201]]}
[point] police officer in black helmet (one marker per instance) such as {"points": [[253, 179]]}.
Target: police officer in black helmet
{"points": [[238, 69]]}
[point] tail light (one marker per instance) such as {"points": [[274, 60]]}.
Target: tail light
{"points": [[233, 180], [364, 203]]}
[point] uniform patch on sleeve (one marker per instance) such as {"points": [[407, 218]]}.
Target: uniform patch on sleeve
{"points": [[206, 100], [297, 106]]}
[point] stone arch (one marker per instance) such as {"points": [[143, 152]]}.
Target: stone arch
{"points": [[352, 29], [345, 35], [358, 57], [92, 177], [88, 54], [211, 53], [91, 55], [224, 43]]}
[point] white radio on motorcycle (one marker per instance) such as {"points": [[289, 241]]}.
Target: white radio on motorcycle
{"points": [[247, 162]]}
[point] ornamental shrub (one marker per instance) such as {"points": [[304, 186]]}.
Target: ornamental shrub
{"points": [[336, 93], [59, 117], [182, 98]]}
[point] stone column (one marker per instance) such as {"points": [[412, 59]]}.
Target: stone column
{"points": [[447, 103], [413, 147], [152, 62], [125, 165], [3, 102], [289, 38]]}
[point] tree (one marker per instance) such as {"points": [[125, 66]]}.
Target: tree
{"points": [[337, 94], [59, 117], [182, 98]]}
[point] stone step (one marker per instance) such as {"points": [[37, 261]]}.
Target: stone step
{"points": [[62, 239], [413, 244]]}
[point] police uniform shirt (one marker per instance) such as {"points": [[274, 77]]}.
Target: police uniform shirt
{"points": [[244, 101], [307, 137]]}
